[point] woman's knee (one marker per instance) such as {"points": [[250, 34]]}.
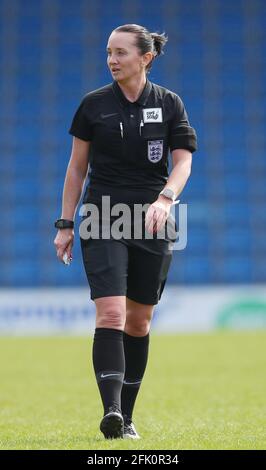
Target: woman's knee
{"points": [[138, 318], [140, 328], [110, 312]]}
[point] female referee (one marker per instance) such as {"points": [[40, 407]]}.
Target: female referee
{"points": [[122, 133]]}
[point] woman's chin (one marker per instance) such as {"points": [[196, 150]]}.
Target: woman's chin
{"points": [[116, 74]]}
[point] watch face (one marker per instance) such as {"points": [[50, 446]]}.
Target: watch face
{"points": [[169, 193]]}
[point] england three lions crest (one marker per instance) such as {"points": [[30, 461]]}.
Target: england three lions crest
{"points": [[155, 150]]}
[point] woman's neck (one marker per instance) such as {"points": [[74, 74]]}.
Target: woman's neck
{"points": [[133, 88]]}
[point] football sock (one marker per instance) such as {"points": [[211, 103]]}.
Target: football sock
{"points": [[109, 365], [136, 356]]}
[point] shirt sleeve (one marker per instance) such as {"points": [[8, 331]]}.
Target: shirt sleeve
{"points": [[182, 135], [81, 126]]}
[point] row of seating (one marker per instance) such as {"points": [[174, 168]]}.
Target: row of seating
{"points": [[193, 270], [214, 60]]}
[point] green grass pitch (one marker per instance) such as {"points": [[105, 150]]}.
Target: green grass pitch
{"points": [[200, 391]]}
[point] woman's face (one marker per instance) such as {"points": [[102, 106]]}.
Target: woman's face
{"points": [[124, 58]]}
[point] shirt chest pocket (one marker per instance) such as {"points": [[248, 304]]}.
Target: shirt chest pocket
{"points": [[154, 130], [109, 125], [108, 136]]}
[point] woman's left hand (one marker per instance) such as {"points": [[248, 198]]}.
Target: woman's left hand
{"points": [[157, 214]]}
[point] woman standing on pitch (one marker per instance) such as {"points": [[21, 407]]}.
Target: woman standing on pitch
{"points": [[122, 133]]}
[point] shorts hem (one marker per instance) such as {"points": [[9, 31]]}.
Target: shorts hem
{"points": [[99, 296], [143, 301]]}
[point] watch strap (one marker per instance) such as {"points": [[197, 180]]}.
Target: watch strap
{"points": [[168, 193], [64, 223]]}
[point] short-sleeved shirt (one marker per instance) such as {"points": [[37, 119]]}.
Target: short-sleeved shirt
{"points": [[130, 142]]}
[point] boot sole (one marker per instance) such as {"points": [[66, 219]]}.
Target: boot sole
{"points": [[112, 426]]}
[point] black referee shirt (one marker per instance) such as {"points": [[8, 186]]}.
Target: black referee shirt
{"points": [[130, 142]]}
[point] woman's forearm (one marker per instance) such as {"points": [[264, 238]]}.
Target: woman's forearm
{"points": [[178, 177], [72, 191]]}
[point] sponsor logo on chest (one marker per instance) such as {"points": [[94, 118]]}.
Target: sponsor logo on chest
{"points": [[152, 115]]}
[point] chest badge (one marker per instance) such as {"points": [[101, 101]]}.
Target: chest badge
{"points": [[155, 150], [152, 115]]}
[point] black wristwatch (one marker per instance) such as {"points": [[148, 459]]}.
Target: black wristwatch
{"points": [[64, 223]]}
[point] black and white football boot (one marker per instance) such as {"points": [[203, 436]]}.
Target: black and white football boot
{"points": [[112, 424], [129, 429]]}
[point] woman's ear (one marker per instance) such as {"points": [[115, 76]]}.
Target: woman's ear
{"points": [[147, 58]]}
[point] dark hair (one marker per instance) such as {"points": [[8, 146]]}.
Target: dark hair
{"points": [[146, 41]]}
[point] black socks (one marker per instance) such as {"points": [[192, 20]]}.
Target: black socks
{"points": [[109, 365], [136, 356], [119, 362]]}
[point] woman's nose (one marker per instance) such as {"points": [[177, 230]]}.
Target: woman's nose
{"points": [[112, 59]]}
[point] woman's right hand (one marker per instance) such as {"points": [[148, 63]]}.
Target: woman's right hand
{"points": [[63, 243]]}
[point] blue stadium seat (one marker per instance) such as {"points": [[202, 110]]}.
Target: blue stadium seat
{"points": [[235, 269], [197, 270]]}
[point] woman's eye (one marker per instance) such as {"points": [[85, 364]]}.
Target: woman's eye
{"points": [[118, 53]]}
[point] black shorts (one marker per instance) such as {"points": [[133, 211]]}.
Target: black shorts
{"points": [[134, 268]]}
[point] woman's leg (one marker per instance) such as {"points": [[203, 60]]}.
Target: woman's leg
{"points": [[108, 350], [147, 272], [136, 347], [105, 262]]}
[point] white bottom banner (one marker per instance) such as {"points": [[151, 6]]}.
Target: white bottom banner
{"points": [[181, 309]]}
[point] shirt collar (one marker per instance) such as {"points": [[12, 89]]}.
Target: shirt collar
{"points": [[142, 99]]}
